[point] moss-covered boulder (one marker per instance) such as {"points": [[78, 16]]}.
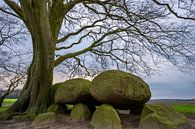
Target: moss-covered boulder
{"points": [[161, 116], [56, 86], [45, 117], [80, 112], [120, 89], [57, 108], [53, 90], [105, 117], [74, 91]]}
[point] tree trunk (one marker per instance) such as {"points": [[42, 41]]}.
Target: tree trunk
{"points": [[35, 94], [2, 99], [34, 97]]}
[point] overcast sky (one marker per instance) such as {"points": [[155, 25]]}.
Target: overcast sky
{"points": [[171, 83]]}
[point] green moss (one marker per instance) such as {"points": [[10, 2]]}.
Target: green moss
{"points": [[49, 116], [57, 108], [3, 109], [53, 90], [105, 117], [5, 115], [73, 90], [118, 87], [162, 116], [24, 117], [80, 112], [56, 86]]}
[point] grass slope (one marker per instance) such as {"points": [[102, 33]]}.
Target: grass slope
{"points": [[6, 104], [9, 101], [185, 108]]}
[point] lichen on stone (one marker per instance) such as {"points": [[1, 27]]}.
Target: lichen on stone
{"points": [[44, 117], [163, 117], [57, 108], [73, 91], [105, 117], [80, 112], [120, 89], [53, 90]]}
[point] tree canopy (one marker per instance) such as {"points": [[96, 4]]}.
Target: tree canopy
{"points": [[87, 36], [122, 34]]}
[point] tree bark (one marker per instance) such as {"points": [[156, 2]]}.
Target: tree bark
{"points": [[34, 97], [35, 94], [2, 99]]}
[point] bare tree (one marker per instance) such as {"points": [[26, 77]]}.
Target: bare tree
{"points": [[14, 82], [184, 9], [87, 36], [12, 65]]}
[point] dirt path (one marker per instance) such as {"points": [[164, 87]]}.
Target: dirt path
{"points": [[128, 122], [192, 121]]}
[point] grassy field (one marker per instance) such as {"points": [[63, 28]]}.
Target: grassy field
{"points": [[6, 104], [3, 109], [183, 108]]}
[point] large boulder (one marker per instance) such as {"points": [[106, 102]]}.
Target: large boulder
{"points": [[105, 117], [80, 112], [56, 86], [161, 116], [120, 89], [53, 90], [74, 91]]}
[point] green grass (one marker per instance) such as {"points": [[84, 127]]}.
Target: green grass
{"points": [[70, 106], [9, 101], [3, 109], [6, 104], [185, 108]]}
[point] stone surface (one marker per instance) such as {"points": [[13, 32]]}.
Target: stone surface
{"points": [[105, 117], [80, 112], [161, 116], [44, 117], [120, 89], [57, 108], [56, 86], [53, 90], [74, 91]]}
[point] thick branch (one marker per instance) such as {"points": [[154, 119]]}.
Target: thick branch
{"points": [[9, 13], [71, 55], [57, 14], [15, 7], [73, 44], [79, 31]]}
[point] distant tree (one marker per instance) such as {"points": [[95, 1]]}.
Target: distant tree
{"points": [[86, 36], [12, 65], [13, 83]]}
